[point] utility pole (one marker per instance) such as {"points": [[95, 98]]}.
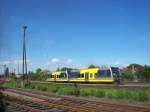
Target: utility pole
{"points": [[24, 66]]}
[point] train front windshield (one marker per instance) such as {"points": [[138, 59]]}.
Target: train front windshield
{"points": [[115, 71]]}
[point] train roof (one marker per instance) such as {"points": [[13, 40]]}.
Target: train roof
{"points": [[92, 70], [58, 72], [85, 70]]}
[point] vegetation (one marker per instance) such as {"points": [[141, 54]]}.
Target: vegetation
{"points": [[93, 66], [136, 72], [144, 73], [39, 74], [124, 94], [127, 75], [135, 65]]}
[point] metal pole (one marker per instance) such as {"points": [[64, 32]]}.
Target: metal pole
{"points": [[24, 67], [25, 59]]}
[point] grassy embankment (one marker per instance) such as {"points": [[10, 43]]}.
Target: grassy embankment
{"points": [[123, 94]]}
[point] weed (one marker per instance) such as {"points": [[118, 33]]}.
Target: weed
{"points": [[143, 96], [120, 94], [85, 92], [100, 93], [109, 95]]}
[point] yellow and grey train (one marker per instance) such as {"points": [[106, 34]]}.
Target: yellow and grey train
{"points": [[93, 75]]}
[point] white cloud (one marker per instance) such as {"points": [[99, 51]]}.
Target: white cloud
{"points": [[5, 62], [55, 61], [68, 61], [51, 62]]}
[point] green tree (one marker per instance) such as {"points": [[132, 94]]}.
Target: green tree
{"points": [[144, 73], [93, 66], [137, 66], [38, 70], [31, 75], [44, 74], [36, 75], [127, 75]]}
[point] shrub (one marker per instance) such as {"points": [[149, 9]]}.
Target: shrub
{"points": [[109, 95], [53, 88], [143, 96], [43, 88], [66, 91], [120, 94], [32, 86], [100, 93], [84, 92], [130, 96], [62, 91], [127, 75]]}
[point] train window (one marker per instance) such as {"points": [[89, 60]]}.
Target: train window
{"points": [[82, 75], [90, 75], [108, 73], [115, 71], [74, 75]]}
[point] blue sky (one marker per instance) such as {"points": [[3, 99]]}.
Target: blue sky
{"points": [[75, 33]]}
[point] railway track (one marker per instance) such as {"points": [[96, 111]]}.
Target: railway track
{"points": [[33, 101], [28, 103]]}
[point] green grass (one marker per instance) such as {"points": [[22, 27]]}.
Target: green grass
{"points": [[123, 94], [85, 92], [12, 84], [100, 93]]}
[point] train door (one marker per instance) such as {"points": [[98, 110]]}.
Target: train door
{"points": [[55, 78], [86, 76]]}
